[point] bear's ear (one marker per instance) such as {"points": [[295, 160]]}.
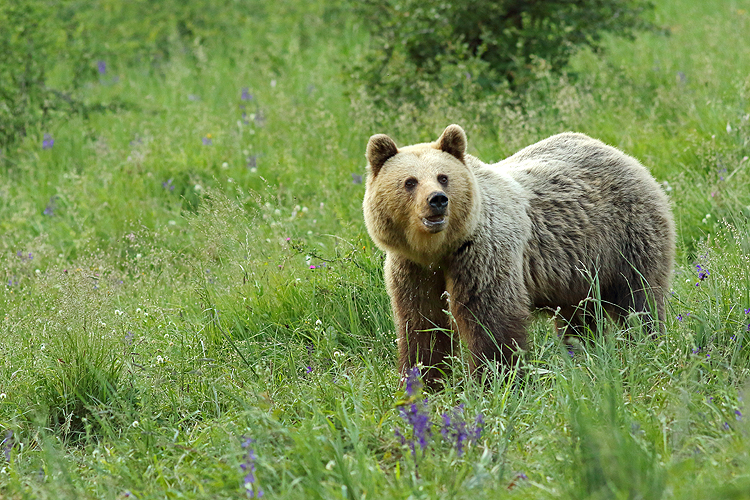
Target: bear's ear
{"points": [[380, 149], [453, 141]]}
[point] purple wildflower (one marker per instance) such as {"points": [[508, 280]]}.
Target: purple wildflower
{"points": [[747, 311], [399, 435], [252, 162], [456, 430], [476, 433], [726, 426], [246, 95], [413, 381], [248, 466], [679, 317], [22, 255], [738, 414], [702, 274], [102, 67], [244, 119], [7, 444], [518, 477], [51, 206], [415, 415], [308, 370], [356, 179], [168, 185], [48, 142], [207, 141], [129, 338]]}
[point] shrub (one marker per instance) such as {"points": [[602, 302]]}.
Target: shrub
{"points": [[52, 49], [26, 47], [470, 45]]}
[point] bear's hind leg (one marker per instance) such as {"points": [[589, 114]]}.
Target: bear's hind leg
{"points": [[636, 296]]}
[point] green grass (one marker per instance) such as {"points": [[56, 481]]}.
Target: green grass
{"points": [[146, 329]]}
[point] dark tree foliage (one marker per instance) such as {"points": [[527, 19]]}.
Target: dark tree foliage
{"points": [[496, 43]]}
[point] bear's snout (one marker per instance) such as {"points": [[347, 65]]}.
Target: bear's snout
{"points": [[439, 202], [436, 221]]}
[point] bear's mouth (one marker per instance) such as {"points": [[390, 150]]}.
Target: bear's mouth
{"points": [[435, 223]]}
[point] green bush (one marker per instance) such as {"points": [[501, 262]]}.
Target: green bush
{"points": [[482, 44], [49, 50], [29, 40]]}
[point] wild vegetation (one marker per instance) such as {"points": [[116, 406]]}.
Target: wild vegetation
{"points": [[191, 306]]}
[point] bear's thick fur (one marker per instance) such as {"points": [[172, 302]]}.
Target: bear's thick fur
{"points": [[544, 228]]}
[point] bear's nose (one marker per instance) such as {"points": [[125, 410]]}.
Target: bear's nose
{"points": [[438, 201]]}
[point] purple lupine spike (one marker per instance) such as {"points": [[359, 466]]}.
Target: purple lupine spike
{"points": [[7, 445], [413, 381], [702, 274], [248, 467]]}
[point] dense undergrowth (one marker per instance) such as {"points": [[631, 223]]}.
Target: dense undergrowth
{"points": [[189, 270]]}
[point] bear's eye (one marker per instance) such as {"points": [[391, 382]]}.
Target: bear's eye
{"points": [[410, 183], [443, 179]]}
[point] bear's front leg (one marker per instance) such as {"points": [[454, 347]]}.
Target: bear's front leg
{"points": [[422, 327], [491, 312]]}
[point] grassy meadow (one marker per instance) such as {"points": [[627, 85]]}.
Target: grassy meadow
{"points": [[189, 294]]}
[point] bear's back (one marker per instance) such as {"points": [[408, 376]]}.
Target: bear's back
{"points": [[590, 208]]}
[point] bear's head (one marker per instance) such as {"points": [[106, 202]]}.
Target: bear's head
{"points": [[421, 201]]}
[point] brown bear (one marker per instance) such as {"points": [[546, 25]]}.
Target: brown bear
{"points": [[559, 222]]}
